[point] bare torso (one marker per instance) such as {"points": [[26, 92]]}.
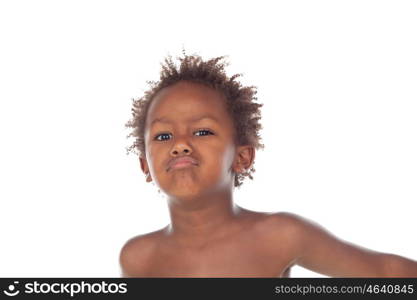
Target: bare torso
{"points": [[248, 249]]}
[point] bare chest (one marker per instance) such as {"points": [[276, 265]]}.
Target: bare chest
{"points": [[230, 258]]}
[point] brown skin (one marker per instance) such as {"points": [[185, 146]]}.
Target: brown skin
{"points": [[210, 236]]}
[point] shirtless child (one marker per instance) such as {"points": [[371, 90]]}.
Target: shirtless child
{"points": [[196, 133]]}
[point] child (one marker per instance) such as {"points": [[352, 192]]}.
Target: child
{"points": [[196, 132]]}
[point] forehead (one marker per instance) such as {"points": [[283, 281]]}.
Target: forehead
{"points": [[187, 100]]}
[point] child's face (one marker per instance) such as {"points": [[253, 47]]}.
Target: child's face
{"points": [[190, 120]]}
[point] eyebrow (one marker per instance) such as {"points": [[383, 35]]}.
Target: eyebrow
{"points": [[165, 120]]}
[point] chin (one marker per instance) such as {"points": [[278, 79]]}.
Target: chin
{"points": [[184, 192], [188, 187]]}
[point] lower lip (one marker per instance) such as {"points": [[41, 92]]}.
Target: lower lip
{"points": [[181, 165]]}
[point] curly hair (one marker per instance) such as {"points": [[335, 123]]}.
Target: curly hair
{"points": [[240, 99]]}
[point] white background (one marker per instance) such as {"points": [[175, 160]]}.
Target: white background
{"points": [[338, 83]]}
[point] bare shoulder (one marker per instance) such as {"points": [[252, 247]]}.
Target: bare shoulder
{"points": [[315, 248], [136, 252], [300, 232], [281, 231], [285, 223]]}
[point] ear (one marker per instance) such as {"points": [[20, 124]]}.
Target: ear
{"points": [[145, 168], [245, 156]]}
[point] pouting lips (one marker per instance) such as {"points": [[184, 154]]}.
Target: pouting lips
{"points": [[181, 162]]}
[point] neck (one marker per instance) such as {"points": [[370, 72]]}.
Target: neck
{"points": [[203, 218]]}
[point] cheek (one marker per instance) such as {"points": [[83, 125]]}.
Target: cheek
{"points": [[155, 158], [221, 159], [228, 158]]}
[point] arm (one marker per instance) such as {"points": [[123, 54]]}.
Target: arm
{"points": [[134, 256], [127, 260], [318, 250], [398, 266]]}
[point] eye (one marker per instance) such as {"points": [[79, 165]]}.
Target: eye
{"points": [[162, 137], [203, 132], [166, 136]]}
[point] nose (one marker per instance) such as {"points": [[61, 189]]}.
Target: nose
{"points": [[181, 148]]}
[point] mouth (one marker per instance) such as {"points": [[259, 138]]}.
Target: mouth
{"points": [[181, 163]]}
